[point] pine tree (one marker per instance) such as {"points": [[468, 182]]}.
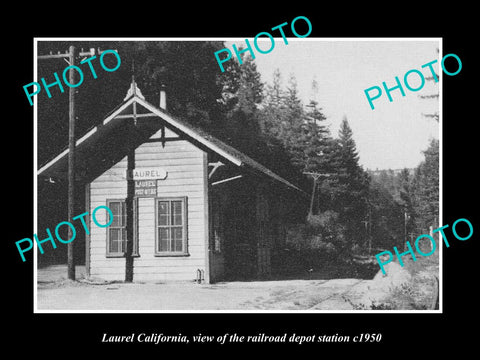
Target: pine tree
{"points": [[426, 189], [272, 110], [242, 87], [186, 68], [281, 120], [274, 93], [316, 139], [435, 115], [292, 126], [405, 200], [386, 215], [348, 154], [188, 71], [353, 183], [242, 93], [319, 150]]}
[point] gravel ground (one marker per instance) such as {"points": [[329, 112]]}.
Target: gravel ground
{"points": [[55, 292]]}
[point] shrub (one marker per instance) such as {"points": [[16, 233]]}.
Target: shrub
{"points": [[319, 241]]}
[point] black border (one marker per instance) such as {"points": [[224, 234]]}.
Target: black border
{"points": [[82, 333]]}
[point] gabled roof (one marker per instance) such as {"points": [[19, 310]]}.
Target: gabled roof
{"points": [[107, 143]]}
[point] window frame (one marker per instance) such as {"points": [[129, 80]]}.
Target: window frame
{"points": [[135, 253], [184, 252]]}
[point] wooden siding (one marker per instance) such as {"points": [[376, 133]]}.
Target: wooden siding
{"points": [[186, 170], [87, 236], [263, 228]]}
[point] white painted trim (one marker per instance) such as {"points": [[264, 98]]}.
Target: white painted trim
{"points": [[120, 109], [58, 157], [160, 114], [65, 152], [87, 135], [225, 180], [189, 131]]}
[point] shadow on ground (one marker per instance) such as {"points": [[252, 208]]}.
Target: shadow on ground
{"points": [[321, 289], [359, 267]]}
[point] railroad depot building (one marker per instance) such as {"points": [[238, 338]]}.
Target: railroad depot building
{"points": [[185, 205]]}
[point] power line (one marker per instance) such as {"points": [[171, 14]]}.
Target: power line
{"points": [[71, 55]]}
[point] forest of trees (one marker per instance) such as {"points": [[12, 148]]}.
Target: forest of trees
{"points": [[412, 197], [352, 210]]}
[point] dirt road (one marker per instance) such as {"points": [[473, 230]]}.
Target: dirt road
{"points": [[56, 293]]}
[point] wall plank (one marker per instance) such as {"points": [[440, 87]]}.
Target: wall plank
{"points": [[186, 175]]}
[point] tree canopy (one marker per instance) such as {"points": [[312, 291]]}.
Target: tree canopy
{"points": [[269, 122]]}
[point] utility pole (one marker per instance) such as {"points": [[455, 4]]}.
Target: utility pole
{"points": [[411, 237], [406, 218], [72, 54], [366, 223], [71, 162], [368, 227], [315, 177], [130, 201]]}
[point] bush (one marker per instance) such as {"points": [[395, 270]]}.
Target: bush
{"points": [[297, 237], [330, 230], [357, 249], [320, 240], [325, 221], [301, 238], [402, 297], [316, 243]]}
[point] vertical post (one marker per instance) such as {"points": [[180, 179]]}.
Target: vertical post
{"points": [[130, 200], [365, 222], [313, 196], [71, 164], [210, 276], [87, 236], [430, 231], [130, 221], [369, 229], [315, 177]]}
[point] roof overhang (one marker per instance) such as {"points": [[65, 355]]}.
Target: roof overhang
{"points": [[127, 127]]}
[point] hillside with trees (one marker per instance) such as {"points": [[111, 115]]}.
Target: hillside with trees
{"points": [[405, 203], [350, 210]]}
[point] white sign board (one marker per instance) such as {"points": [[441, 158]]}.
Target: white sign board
{"points": [[147, 174], [146, 188]]}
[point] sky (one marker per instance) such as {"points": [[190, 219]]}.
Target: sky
{"points": [[394, 134]]}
